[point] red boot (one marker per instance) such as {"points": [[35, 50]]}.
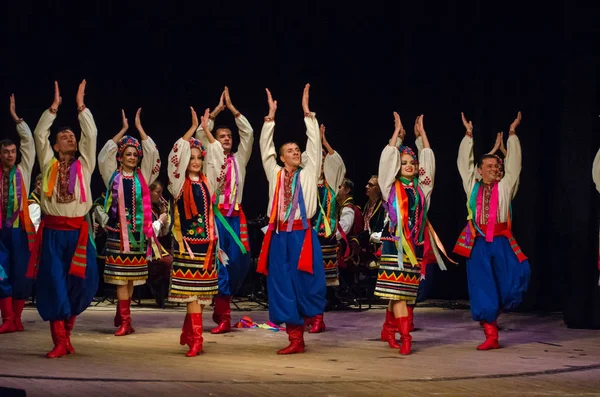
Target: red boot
{"points": [[411, 317], [18, 305], [59, 337], [491, 337], [296, 338], [216, 316], [405, 338], [117, 321], [185, 336], [195, 335], [308, 321], [317, 324], [8, 316], [223, 313], [388, 332], [69, 325], [125, 313]]}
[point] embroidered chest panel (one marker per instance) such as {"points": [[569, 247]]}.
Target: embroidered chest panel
{"points": [[64, 176], [5, 190], [196, 228], [129, 194]]}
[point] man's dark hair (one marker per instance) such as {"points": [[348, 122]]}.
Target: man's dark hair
{"points": [[62, 129], [221, 127], [486, 156], [6, 142], [287, 143]]}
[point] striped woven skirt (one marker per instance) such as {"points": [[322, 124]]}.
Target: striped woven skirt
{"points": [[329, 248], [190, 281], [120, 267], [393, 283]]}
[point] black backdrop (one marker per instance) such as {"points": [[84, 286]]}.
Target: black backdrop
{"points": [[363, 63]]}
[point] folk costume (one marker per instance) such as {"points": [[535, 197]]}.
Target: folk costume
{"points": [[194, 274], [129, 231], [409, 242], [16, 234], [325, 222], [290, 256], [497, 270], [230, 219], [64, 256]]}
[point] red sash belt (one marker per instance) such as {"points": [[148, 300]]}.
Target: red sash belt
{"points": [[79, 260], [466, 240], [305, 262]]}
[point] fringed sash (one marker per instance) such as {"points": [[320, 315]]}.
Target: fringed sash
{"points": [[79, 260]]}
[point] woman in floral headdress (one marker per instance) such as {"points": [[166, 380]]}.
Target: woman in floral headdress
{"points": [[194, 278], [406, 184], [129, 228]]}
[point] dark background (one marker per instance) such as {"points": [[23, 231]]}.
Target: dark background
{"points": [[363, 62]]}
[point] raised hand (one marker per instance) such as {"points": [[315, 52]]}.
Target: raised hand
{"points": [[272, 104], [138, 123], [80, 94], [398, 128], [190, 133], [419, 127], [195, 117], [324, 140], [305, 98], [468, 125], [228, 103], [221, 106], [124, 121], [502, 147], [125, 126], [204, 121], [57, 99], [12, 108], [515, 124]]}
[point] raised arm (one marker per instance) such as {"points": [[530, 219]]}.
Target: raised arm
{"points": [[596, 170], [204, 134], [246, 132], [268, 153], [89, 132], [26, 147], [41, 134], [390, 161], [334, 168], [513, 162], [499, 145], [107, 158], [313, 143], [150, 165], [426, 160], [466, 159], [179, 158]]}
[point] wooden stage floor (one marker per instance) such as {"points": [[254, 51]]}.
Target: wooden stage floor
{"points": [[540, 356]]}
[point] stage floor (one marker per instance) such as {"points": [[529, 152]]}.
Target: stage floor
{"points": [[540, 356]]}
